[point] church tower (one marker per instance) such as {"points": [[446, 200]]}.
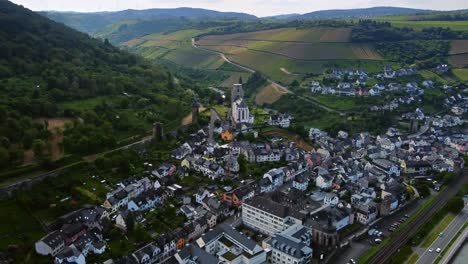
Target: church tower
{"points": [[237, 92]]}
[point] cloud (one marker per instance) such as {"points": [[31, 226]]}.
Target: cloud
{"points": [[256, 7]]}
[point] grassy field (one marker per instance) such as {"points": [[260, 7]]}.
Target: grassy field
{"points": [[429, 75], [269, 94], [461, 74], [222, 110], [413, 259], [339, 102], [300, 51], [317, 34], [234, 78], [459, 60], [86, 104], [175, 47], [194, 58], [459, 46], [291, 53], [17, 225], [436, 230], [405, 21]]}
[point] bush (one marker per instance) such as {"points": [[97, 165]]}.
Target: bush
{"points": [[455, 204]]}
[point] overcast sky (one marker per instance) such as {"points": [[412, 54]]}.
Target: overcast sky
{"points": [[255, 7]]}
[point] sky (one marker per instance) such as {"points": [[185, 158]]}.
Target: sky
{"points": [[256, 7]]}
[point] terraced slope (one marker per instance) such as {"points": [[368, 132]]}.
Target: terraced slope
{"points": [[286, 53]]}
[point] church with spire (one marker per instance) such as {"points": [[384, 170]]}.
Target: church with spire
{"points": [[241, 118]]}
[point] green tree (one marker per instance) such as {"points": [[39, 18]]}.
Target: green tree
{"points": [[130, 223], [242, 164], [455, 204], [38, 147], [4, 157]]}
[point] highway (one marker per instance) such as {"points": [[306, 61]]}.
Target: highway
{"points": [[441, 242], [402, 238]]}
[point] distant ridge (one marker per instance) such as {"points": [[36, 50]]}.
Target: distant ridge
{"points": [[93, 22], [354, 13]]}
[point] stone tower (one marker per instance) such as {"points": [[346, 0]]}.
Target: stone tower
{"points": [[157, 132], [414, 125], [195, 112], [237, 92]]}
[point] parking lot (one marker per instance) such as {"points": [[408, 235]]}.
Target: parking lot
{"points": [[357, 248]]}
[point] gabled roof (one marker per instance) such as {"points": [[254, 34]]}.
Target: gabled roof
{"points": [[54, 239], [269, 206]]}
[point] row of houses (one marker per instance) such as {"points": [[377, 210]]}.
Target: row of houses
{"points": [[80, 233]]}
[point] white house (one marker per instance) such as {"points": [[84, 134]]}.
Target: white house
{"points": [[331, 199], [300, 182], [324, 181], [281, 120], [201, 194], [70, 255], [51, 244], [365, 214]]}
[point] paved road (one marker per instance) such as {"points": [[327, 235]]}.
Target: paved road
{"points": [[268, 79], [441, 242], [357, 248], [402, 238]]}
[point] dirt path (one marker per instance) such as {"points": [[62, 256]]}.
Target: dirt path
{"points": [[187, 120], [288, 72]]}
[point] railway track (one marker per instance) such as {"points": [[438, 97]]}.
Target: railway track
{"points": [[403, 237]]}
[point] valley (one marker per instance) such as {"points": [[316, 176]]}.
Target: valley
{"points": [[186, 135]]}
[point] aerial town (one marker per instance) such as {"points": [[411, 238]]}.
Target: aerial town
{"points": [[312, 204], [233, 132]]}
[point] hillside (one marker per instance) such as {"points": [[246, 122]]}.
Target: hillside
{"points": [[48, 70], [95, 22], [354, 13], [292, 53]]}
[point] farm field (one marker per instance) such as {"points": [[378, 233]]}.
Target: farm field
{"points": [[234, 78], [269, 94], [459, 46], [404, 21], [459, 60], [175, 47], [291, 53], [340, 103], [194, 58], [461, 74], [301, 51], [429, 75], [317, 34]]}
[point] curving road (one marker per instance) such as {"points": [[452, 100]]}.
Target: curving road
{"points": [[267, 78]]}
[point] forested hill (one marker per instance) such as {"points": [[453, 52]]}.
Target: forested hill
{"points": [[95, 22], [48, 69], [356, 13]]}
